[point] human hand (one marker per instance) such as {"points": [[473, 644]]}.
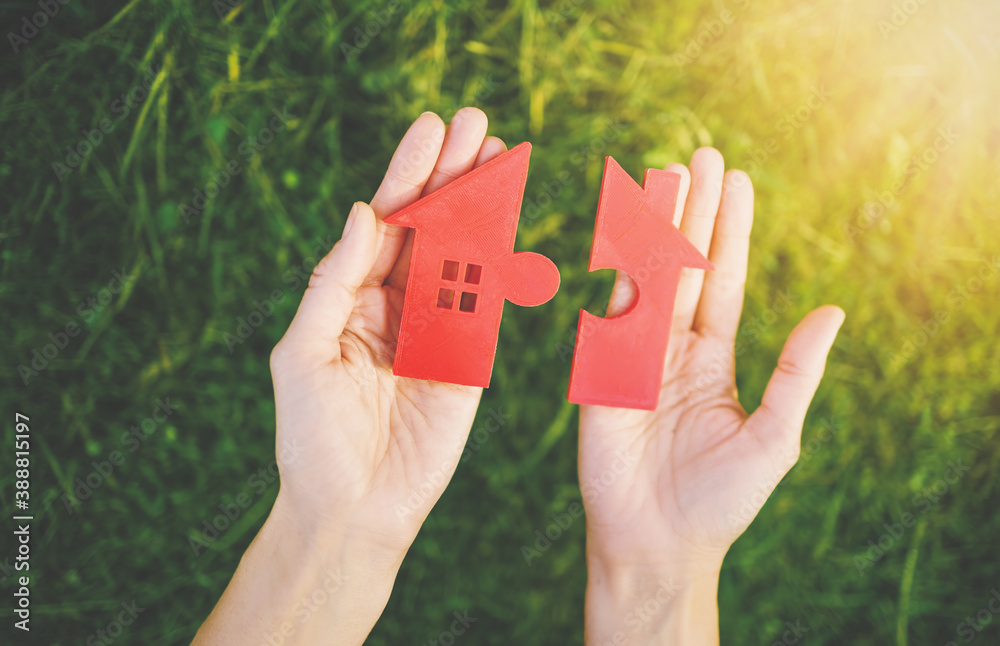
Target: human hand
{"points": [[363, 455], [372, 440], [688, 478]]}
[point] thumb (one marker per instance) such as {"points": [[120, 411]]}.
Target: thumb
{"points": [[622, 294], [793, 384], [330, 295]]}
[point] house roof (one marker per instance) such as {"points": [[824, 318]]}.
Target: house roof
{"points": [[475, 216], [478, 211], [633, 222]]}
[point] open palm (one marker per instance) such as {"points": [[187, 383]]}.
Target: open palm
{"points": [[685, 480], [362, 446]]}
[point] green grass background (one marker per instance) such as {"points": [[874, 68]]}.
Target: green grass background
{"points": [[645, 80]]}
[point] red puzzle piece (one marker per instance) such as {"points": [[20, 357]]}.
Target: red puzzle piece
{"points": [[618, 361], [462, 268]]}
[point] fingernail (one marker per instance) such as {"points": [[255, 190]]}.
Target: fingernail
{"points": [[350, 220]]}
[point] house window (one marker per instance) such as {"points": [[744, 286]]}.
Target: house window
{"points": [[473, 273], [468, 302], [445, 298], [450, 270], [466, 289]]}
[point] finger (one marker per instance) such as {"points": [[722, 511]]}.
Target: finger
{"points": [[329, 298], [410, 168], [793, 384], [463, 142], [721, 302], [697, 223], [682, 192], [492, 147], [625, 290], [622, 294]]}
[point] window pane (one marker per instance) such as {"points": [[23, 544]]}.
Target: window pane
{"points": [[468, 303], [445, 298], [473, 273], [450, 270]]}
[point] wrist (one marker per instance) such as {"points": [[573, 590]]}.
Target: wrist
{"points": [[623, 550], [327, 534], [319, 576], [661, 603], [331, 541]]}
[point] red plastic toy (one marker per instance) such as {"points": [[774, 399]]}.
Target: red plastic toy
{"points": [[619, 360], [462, 269]]}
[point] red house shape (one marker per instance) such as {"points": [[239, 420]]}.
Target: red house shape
{"points": [[462, 268], [618, 361]]}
